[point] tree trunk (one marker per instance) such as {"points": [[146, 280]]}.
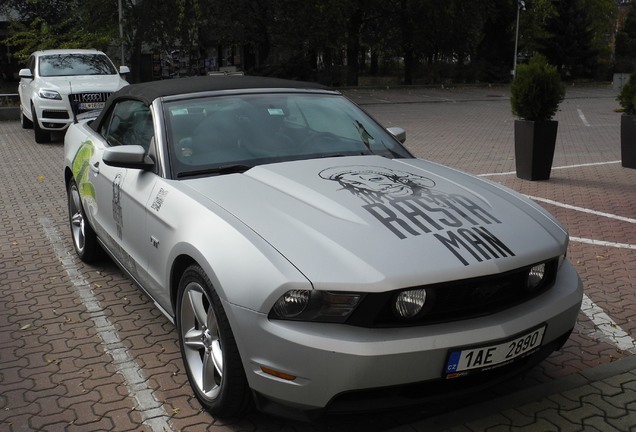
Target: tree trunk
{"points": [[353, 47]]}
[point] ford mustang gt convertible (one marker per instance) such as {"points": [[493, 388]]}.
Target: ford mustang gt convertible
{"points": [[310, 263]]}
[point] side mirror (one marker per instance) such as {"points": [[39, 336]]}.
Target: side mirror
{"points": [[123, 70], [128, 156], [399, 133], [25, 73]]}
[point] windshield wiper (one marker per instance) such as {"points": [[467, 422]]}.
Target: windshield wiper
{"points": [[220, 170], [343, 154], [364, 135]]}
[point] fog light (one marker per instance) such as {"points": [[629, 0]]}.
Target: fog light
{"points": [[536, 276], [408, 304]]}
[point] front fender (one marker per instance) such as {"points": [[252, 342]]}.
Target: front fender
{"points": [[244, 269]]}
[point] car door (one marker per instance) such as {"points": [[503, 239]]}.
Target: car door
{"points": [[121, 193], [25, 88]]}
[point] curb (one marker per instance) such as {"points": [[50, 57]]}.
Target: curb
{"points": [[9, 113]]}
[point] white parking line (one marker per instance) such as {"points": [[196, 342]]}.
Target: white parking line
{"points": [[605, 328], [151, 410], [582, 117], [586, 165], [608, 328], [582, 209], [596, 213], [507, 173], [603, 243]]}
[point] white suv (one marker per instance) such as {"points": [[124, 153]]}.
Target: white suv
{"points": [[56, 85]]}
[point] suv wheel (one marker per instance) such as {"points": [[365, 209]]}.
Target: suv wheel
{"points": [[25, 122], [41, 136]]}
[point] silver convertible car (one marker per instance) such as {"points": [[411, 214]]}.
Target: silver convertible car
{"points": [[309, 261]]}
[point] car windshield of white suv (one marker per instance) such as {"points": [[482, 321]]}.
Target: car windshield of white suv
{"points": [[225, 134], [75, 64]]}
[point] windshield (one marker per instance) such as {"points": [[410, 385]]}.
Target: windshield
{"points": [[225, 134], [75, 64]]}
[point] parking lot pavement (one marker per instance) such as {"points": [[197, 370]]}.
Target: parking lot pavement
{"points": [[81, 349]]}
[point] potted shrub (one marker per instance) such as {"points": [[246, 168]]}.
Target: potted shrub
{"points": [[535, 94], [627, 99]]}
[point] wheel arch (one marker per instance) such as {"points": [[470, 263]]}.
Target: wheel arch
{"points": [[179, 266], [68, 175]]}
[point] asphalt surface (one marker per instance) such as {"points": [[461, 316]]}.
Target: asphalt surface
{"points": [[81, 349]]}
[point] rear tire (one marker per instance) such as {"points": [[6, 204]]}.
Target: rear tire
{"points": [[41, 136], [208, 347]]}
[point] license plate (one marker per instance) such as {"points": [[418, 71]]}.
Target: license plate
{"points": [[473, 359], [91, 105]]}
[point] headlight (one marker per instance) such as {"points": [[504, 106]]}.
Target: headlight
{"points": [[49, 94], [319, 306], [292, 303], [409, 304], [536, 276]]}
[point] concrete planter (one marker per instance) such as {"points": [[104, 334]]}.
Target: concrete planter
{"points": [[534, 148], [628, 141]]}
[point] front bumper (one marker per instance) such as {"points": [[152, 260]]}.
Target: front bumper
{"points": [[53, 114], [329, 360]]}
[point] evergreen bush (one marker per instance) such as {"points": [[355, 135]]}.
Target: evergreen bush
{"points": [[627, 96], [537, 90]]}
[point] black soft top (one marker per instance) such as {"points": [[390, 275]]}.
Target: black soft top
{"points": [[149, 91]]}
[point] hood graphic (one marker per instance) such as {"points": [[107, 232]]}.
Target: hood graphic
{"points": [[408, 205], [378, 183], [372, 220]]}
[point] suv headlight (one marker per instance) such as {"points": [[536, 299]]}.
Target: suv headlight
{"points": [[319, 306], [49, 94]]}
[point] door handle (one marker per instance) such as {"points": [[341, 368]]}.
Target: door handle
{"points": [[95, 167]]}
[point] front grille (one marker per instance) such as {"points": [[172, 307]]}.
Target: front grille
{"points": [[83, 102], [456, 300], [60, 115], [89, 97]]}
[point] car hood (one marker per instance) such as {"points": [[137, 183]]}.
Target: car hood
{"points": [[83, 83], [371, 223]]}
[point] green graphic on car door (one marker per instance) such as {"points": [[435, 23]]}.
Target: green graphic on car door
{"points": [[81, 164]]}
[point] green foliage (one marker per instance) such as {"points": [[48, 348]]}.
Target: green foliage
{"points": [[569, 43], [537, 90], [51, 24], [626, 43], [40, 35], [467, 40], [627, 96]]}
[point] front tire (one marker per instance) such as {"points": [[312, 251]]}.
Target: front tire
{"points": [[84, 238], [208, 347], [41, 136], [25, 122]]}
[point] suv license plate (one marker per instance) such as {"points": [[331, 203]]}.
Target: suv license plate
{"points": [[91, 105], [473, 359]]}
